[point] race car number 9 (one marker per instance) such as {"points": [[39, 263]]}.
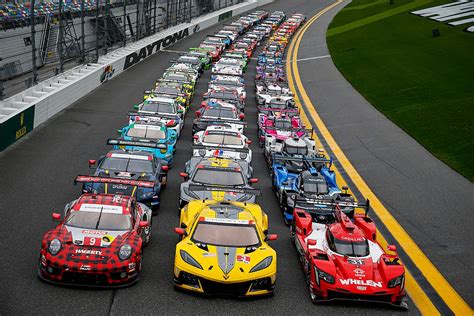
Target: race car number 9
{"points": [[92, 241]]}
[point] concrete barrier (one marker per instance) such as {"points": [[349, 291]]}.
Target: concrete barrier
{"points": [[25, 111]]}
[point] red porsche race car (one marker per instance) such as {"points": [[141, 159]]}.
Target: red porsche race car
{"points": [[100, 240], [341, 257]]}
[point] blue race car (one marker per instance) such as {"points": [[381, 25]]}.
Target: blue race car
{"points": [[302, 178], [156, 132], [129, 165]]}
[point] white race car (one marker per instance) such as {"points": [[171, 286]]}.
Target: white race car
{"points": [[228, 66], [223, 142]]}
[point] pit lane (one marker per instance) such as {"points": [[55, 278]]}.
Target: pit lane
{"points": [[36, 179]]}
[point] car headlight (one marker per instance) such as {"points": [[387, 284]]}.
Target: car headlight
{"points": [[396, 281], [243, 155], [265, 263], [163, 150], [321, 275], [125, 252], [54, 246], [189, 260]]}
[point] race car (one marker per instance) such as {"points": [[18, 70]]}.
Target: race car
{"points": [[216, 41], [295, 146], [217, 172], [229, 66], [191, 60], [278, 101], [297, 180], [281, 127], [99, 241], [216, 112], [213, 51], [163, 109], [343, 260], [270, 70], [203, 56], [188, 78], [186, 89], [224, 250], [150, 132], [272, 88], [230, 82], [222, 141], [132, 165], [227, 95], [181, 68]]}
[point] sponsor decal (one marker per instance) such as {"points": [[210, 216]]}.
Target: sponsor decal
{"points": [[454, 13], [88, 252], [85, 267], [359, 272], [244, 259], [361, 282], [351, 238], [154, 47], [356, 261], [208, 254], [16, 127], [94, 232], [107, 73], [361, 288], [131, 266], [92, 241]]}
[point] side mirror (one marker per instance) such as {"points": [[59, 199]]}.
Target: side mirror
{"points": [[249, 141], [184, 175], [136, 107], [311, 242], [392, 248], [92, 162], [180, 111], [198, 113], [195, 137], [56, 217], [180, 231], [241, 116], [253, 180], [120, 131], [271, 237], [165, 168], [143, 224]]}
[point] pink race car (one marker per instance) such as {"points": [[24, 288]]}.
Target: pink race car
{"points": [[281, 127]]}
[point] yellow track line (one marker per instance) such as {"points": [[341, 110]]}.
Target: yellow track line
{"points": [[434, 277]]}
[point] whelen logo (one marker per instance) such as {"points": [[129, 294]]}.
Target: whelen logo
{"points": [[154, 47], [88, 252], [361, 282]]}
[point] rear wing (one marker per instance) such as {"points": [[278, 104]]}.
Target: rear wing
{"points": [[306, 160], [157, 115], [135, 143], [220, 121], [261, 108], [238, 84], [178, 81], [95, 179], [209, 147], [334, 205], [309, 131], [208, 188]]}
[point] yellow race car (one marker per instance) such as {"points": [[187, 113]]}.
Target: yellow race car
{"points": [[224, 250]]}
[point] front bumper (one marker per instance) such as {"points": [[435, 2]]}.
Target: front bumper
{"points": [[62, 275], [253, 287]]}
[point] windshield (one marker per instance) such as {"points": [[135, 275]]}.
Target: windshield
{"points": [[315, 185], [191, 60], [296, 150], [159, 107], [228, 235], [99, 220], [220, 112], [127, 165], [175, 77], [166, 90], [277, 105], [225, 139], [146, 132], [351, 248], [218, 177], [228, 62], [282, 124], [222, 95]]}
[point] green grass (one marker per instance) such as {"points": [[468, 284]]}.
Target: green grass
{"points": [[423, 84]]}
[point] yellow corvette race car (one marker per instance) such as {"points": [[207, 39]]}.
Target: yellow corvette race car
{"points": [[224, 250]]}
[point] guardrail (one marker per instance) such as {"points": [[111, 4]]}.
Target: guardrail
{"points": [[27, 110]]}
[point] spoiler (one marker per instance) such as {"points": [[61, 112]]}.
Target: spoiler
{"points": [[178, 81], [309, 131], [210, 147], [260, 108], [220, 121], [206, 188], [95, 179], [157, 115], [307, 161], [334, 204], [136, 143], [239, 84]]}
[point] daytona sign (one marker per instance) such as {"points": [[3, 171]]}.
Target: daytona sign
{"points": [[154, 47]]}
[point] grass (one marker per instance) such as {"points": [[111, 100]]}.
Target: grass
{"points": [[423, 84]]}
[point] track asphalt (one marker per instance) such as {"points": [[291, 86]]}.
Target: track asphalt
{"points": [[37, 175]]}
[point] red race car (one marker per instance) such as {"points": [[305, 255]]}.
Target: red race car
{"points": [[342, 259], [100, 240]]}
